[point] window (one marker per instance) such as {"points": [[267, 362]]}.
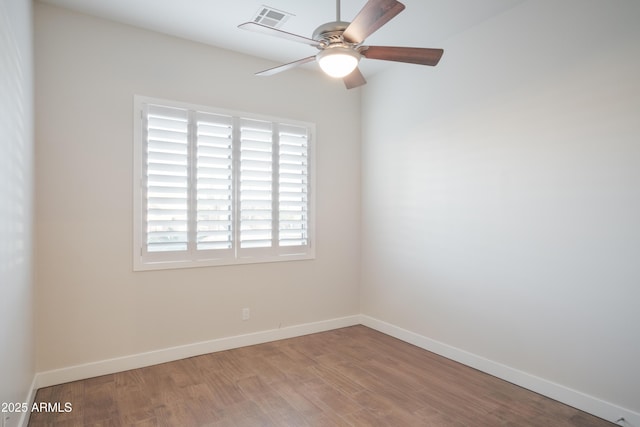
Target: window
{"points": [[213, 187]]}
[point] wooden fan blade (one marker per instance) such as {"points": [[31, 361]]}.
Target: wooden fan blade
{"points": [[354, 79], [259, 28], [285, 67], [373, 15], [413, 55]]}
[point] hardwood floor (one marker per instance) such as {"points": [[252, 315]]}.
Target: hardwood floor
{"points": [[347, 377]]}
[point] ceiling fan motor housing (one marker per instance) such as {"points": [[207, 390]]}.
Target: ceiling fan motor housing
{"points": [[331, 32]]}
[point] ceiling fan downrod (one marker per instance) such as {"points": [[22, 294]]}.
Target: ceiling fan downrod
{"points": [[330, 33]]}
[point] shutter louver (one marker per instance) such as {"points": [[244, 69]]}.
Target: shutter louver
{"points": [[256, 182], [293, 186], [214, 181], [167, 183]]}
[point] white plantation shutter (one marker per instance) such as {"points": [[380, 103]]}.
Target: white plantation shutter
{"points": [[293, 185], [167, 179], [214, 182], [215, 188], [256, 184]]}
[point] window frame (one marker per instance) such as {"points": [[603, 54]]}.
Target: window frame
{"points": [[192, 257]]}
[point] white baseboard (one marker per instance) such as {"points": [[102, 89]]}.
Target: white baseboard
{"points": [[574, 398], [119, 364]]}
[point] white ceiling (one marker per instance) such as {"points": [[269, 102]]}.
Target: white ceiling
{"points": [[424, 23]]}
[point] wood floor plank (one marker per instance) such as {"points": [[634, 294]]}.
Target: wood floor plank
{"points": [[335, 379], [327, 397], [298, 402], [350, 377], [225, 391]]}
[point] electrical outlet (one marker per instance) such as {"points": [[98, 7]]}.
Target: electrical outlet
{"points": [[246, 314]]}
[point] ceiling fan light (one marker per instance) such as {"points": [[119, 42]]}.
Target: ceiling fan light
{"points": [[338, 61]]}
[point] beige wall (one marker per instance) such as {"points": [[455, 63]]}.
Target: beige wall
{"points": [[501, 203], [91, 305]]}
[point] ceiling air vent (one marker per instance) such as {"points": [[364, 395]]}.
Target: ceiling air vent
{"points": [[271, 17]]}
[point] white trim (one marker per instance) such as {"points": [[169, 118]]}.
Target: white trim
{"points": [[119, 364], [173, 264], [143, 99], [568, 396]]}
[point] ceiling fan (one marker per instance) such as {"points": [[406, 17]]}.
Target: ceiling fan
{"points": [[340, 43]]}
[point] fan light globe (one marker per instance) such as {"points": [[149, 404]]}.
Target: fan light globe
{"points": [[338, 61]]}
